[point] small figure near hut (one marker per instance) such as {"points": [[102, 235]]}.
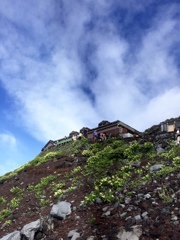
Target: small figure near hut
{"points": [[103, 136], [85, 133], [95, 135]]}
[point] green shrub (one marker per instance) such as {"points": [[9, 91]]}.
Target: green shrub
{"points": [[56, 186], [52, 155], [164, 171], [176, 161], [44, 182], [5, 213], [76, 170], [95, 147], [99, 164], [3, 200], [14, 203], [17, 190], [44, 202], [87, 153], [84, 142]]}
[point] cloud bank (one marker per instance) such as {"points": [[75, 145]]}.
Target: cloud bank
{"points": [[69, 65]]}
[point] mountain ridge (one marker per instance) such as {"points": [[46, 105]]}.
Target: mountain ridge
{"points": [[112, 186]]}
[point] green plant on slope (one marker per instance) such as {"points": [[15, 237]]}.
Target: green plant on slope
{"points": [[39, 194], [3, 200], [84, 142], [106, 186], [14, 203], [107, 196], [176, 162], [43, 158], [44, 182], [44, 202], [147, 147], [56, 186], [171, 153], [5, 213], [132, 149], [76, 170], [50, 155], [76, 182], [95, 147], [118, 143], [113, 182], [147, 178], [91, 220], [87, 153], [17, 190], [151, 155], [75, 144], [8, 222], [109, 170], [60, 192], [165, 195], [37, 189], [117, 153], [135, 151], [165, 170], [99, 164]]}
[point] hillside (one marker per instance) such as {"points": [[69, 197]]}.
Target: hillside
{"points": [[114, 190]]}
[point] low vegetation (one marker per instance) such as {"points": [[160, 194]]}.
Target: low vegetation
{"points": [[109, 168]]}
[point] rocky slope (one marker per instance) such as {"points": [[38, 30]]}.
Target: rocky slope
{"points": [[113, 189]]}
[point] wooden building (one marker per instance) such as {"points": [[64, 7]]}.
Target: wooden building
{"points": [[170, 126], [111, 129], [50, 144], [84, 131], [75, 133], [114, 129]]}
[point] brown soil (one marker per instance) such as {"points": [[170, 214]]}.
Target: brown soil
{"points": [[89, 220]]}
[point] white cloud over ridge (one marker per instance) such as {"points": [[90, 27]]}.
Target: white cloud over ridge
{"points": [[70, 65], [8, 139], [8, 150]]}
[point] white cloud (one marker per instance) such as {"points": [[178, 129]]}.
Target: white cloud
{"points": [[159, 109], [8, 165], [155, 61], [15, 151], [8, 149], [8, 140], [45, 65]]}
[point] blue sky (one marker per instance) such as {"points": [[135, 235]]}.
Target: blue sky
{"points": [[67, 64]]}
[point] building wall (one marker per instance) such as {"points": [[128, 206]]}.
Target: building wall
{"points": [[110, 131], [163, 127], [170, 127], [113, 132], [177, 124], [49, 145], [105, 129]]}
